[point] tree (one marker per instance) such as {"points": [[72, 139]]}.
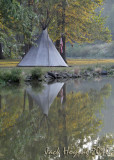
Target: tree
{"points": [[78, 21], [74, 21], [6, 32], [16, 20]]}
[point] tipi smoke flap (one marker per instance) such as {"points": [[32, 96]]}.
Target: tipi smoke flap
{"points": [[43, 54]]}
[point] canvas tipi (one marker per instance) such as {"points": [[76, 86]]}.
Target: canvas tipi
{"points": [[43, 54], [46, 97]]}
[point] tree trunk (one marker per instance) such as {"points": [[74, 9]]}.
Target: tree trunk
{"points": [[63, 137], [30, 102], [64, 96], [0, 101], [64, 46], [63, 29], [57, 45], [1, 53], [27, 47], [59, 23], [24, 101]]}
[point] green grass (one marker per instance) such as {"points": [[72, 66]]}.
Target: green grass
{"points": [[9, 64], [10, 76]]}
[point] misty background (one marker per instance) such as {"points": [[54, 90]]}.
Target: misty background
{"points": [[97, 49]]}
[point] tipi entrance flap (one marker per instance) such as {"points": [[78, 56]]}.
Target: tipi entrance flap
{"points": [[43, 50]]}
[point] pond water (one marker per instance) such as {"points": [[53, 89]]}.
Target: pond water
{"points": [[58, 121]]}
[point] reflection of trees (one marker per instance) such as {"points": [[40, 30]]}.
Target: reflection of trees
{"points": [[12, 107], [0, 101], [78, 119], [72, 121], [9, 110], [16, 121]]}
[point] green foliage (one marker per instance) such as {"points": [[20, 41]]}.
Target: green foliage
{"points": [[7, 33], [16, 75], [77, 20], [96, 50], [37, 89], [13, 76], [2, 83], [16, 21], [36, 73], [89, 69]]}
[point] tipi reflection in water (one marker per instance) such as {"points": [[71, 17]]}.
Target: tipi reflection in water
{"points": [[45, 98]]}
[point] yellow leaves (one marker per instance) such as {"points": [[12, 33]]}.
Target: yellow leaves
{"points": [[1, 26], [81, 109], [1, 155], [2, 114], [7, 120], [100, 2], [12, 18], [81, 15]]}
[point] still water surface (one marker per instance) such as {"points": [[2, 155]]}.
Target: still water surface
{"points": [[59, 121]]}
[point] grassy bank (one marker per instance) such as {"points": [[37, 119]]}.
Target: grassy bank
{"points": [[9, 73], [71, 62], [75, 62]]}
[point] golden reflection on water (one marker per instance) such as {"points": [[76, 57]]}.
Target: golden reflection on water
{"points": [[32, 119]]}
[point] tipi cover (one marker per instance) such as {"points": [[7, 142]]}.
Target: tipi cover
{"points": [[43, 54], [46, 97]]}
